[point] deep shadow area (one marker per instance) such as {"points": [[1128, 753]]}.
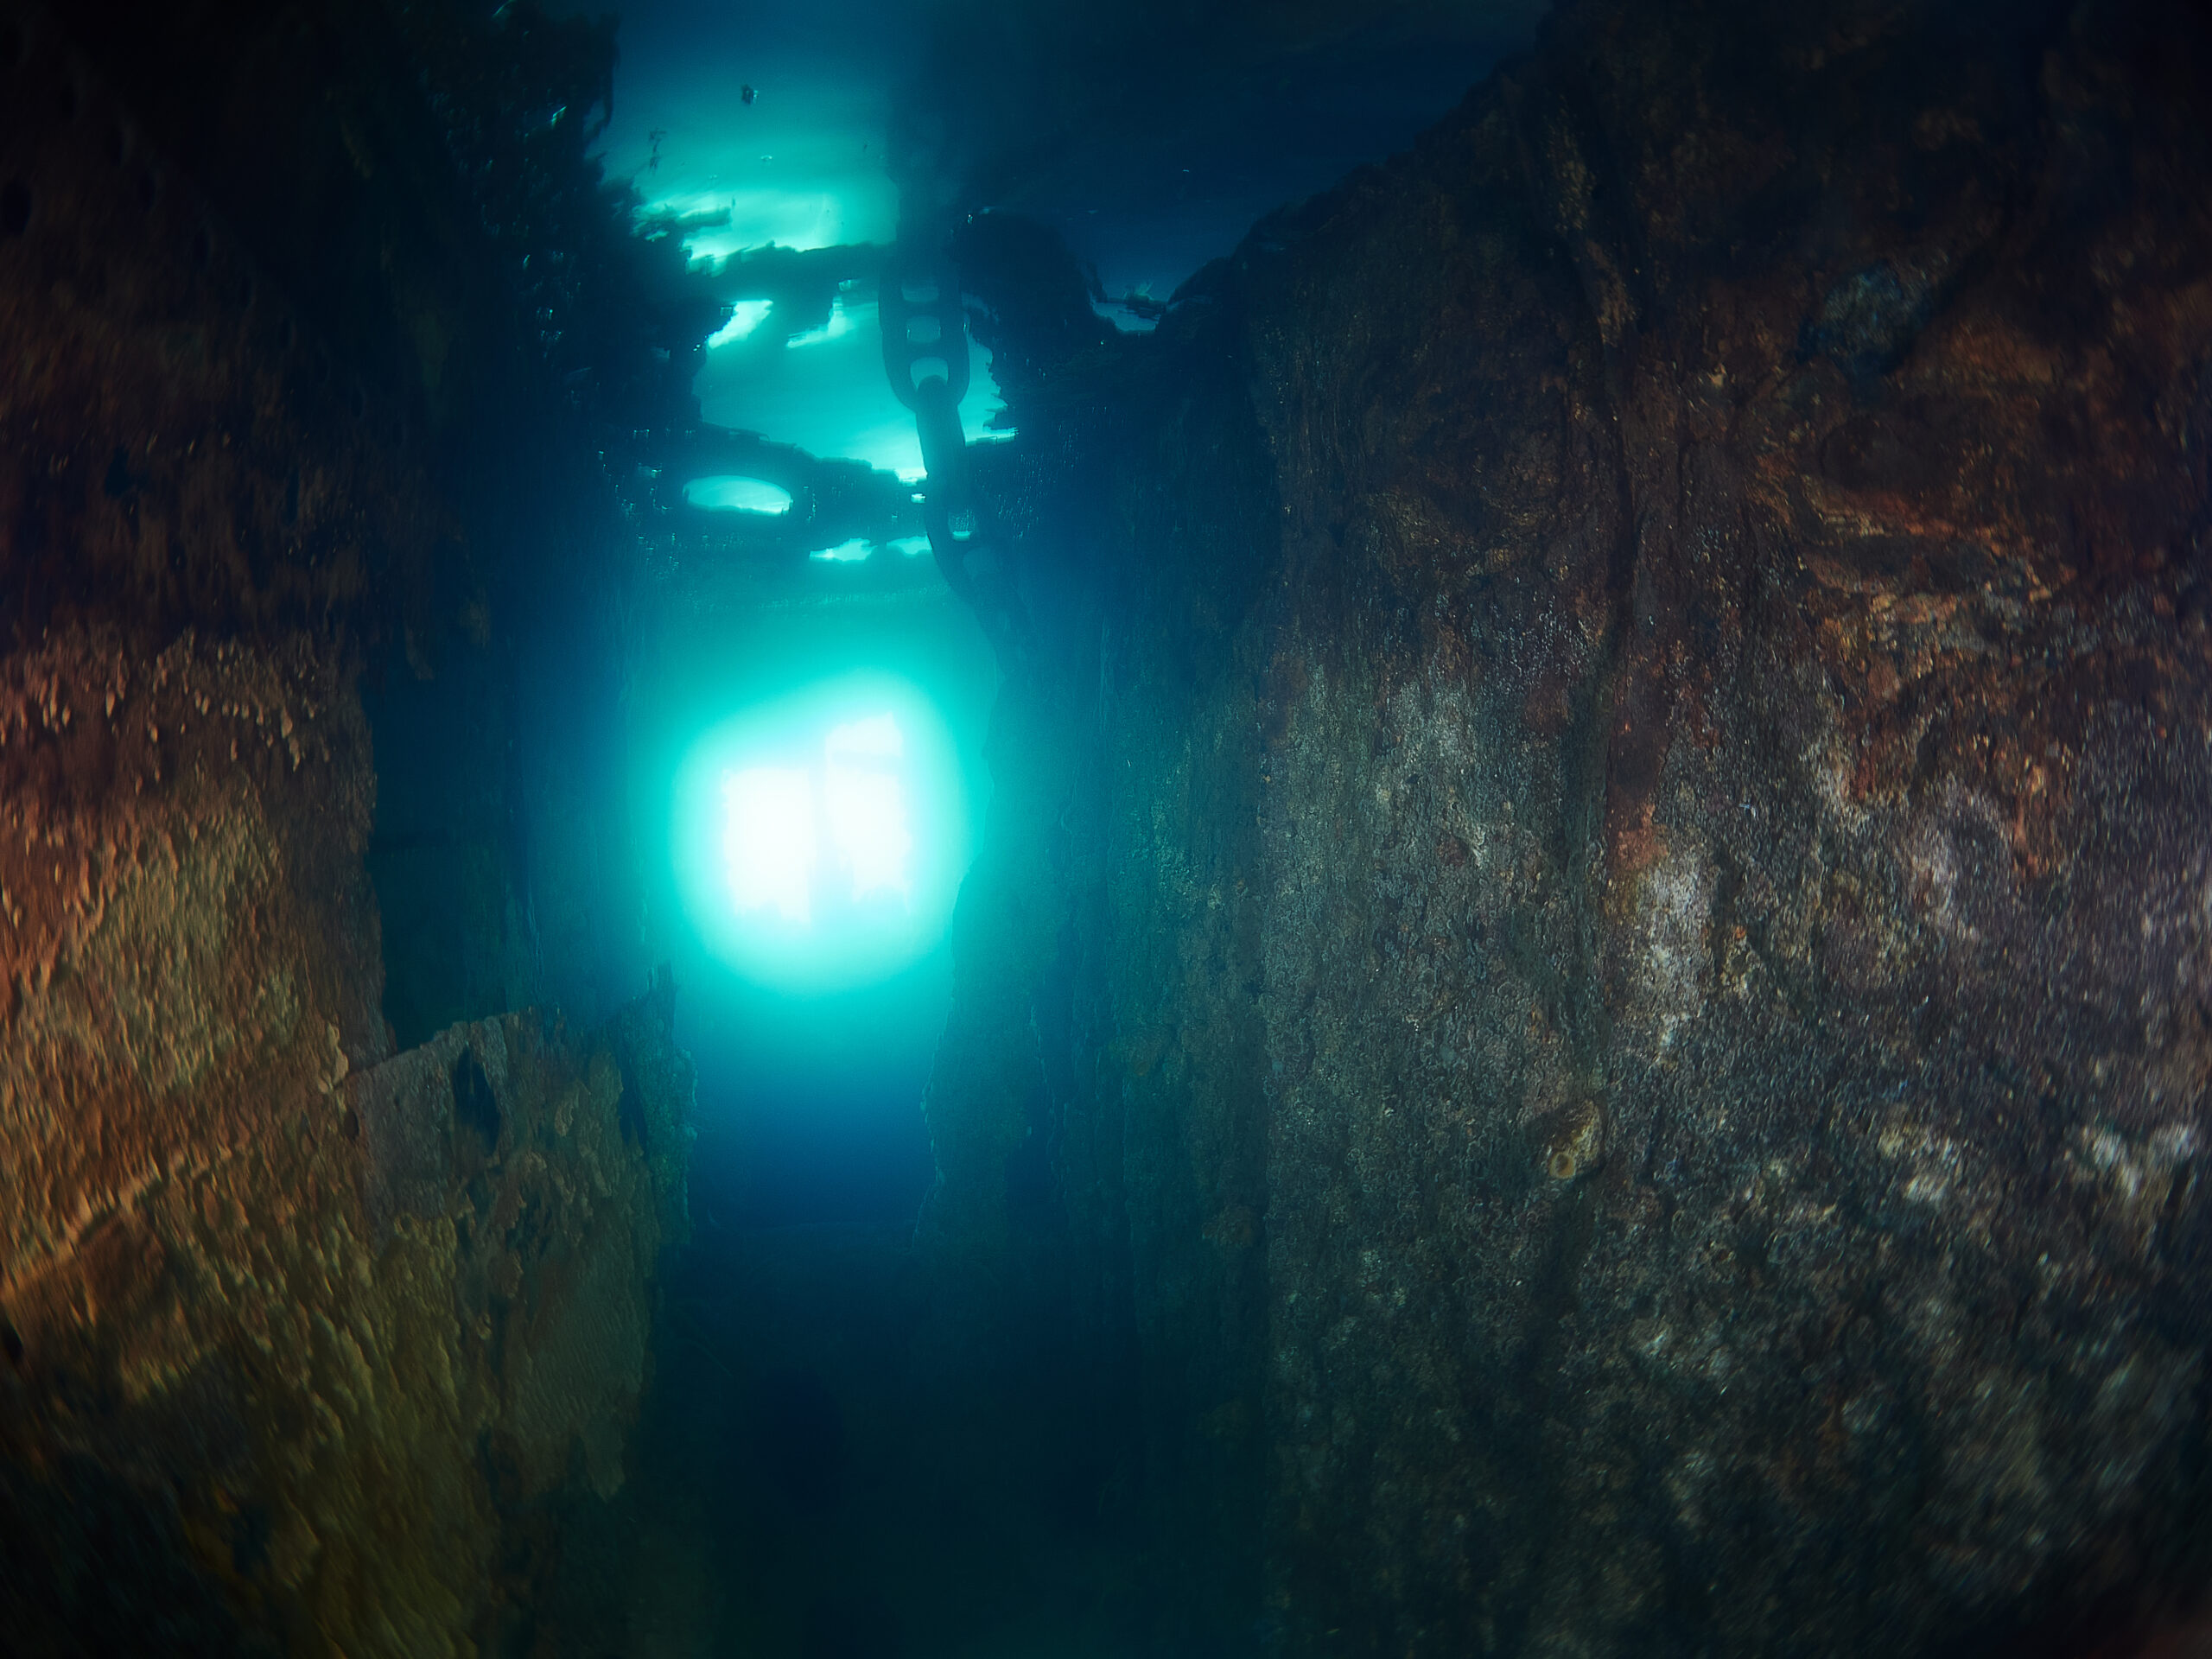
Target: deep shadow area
{"points": [[811, 1108], [795, 1471], [1566, 1008]]}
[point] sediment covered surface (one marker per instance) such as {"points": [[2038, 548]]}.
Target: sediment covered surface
{"points": [[1598, 940], [323, 1313]]}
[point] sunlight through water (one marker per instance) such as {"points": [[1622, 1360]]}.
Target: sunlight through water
{"points": [[728, 492], [821, 837]]}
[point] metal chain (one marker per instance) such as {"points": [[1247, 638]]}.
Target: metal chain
{"points": [[925, 355]]}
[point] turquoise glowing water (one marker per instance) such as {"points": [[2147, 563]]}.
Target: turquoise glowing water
{"points": [[728, 492], [821, 836], [825, 391]]}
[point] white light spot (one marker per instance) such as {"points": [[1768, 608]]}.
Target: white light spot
{"points": [[729, 493], [768, 841], [845, 552], [745, 317], [841, 323], [879, 736], [866, 805], [773, 839]]}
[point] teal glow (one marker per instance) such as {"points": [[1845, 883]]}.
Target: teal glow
{"points": [[841, 323], [1125, 320], [825, 391], [821, 837], [726, 492], [860, 547], [802, 168], [745, 315]]}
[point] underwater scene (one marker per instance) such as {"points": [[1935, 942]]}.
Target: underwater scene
{"points": [[1170, 829]]}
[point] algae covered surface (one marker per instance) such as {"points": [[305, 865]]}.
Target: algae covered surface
{"points": [[306, 1345], [1615, 911]]}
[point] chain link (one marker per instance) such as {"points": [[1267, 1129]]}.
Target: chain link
{"points": [[926, 356], [924, 336]]}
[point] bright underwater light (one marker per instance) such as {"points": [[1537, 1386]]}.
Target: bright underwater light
{"points": [[728, 492], [768, 841], [745, 315], [821, 837]]}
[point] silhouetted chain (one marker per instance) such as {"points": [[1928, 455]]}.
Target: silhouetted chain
{"points": [[925, 355]]}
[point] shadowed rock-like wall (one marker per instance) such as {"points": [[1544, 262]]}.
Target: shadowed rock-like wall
{"points": [[1630, 818], [307, 1345]]}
